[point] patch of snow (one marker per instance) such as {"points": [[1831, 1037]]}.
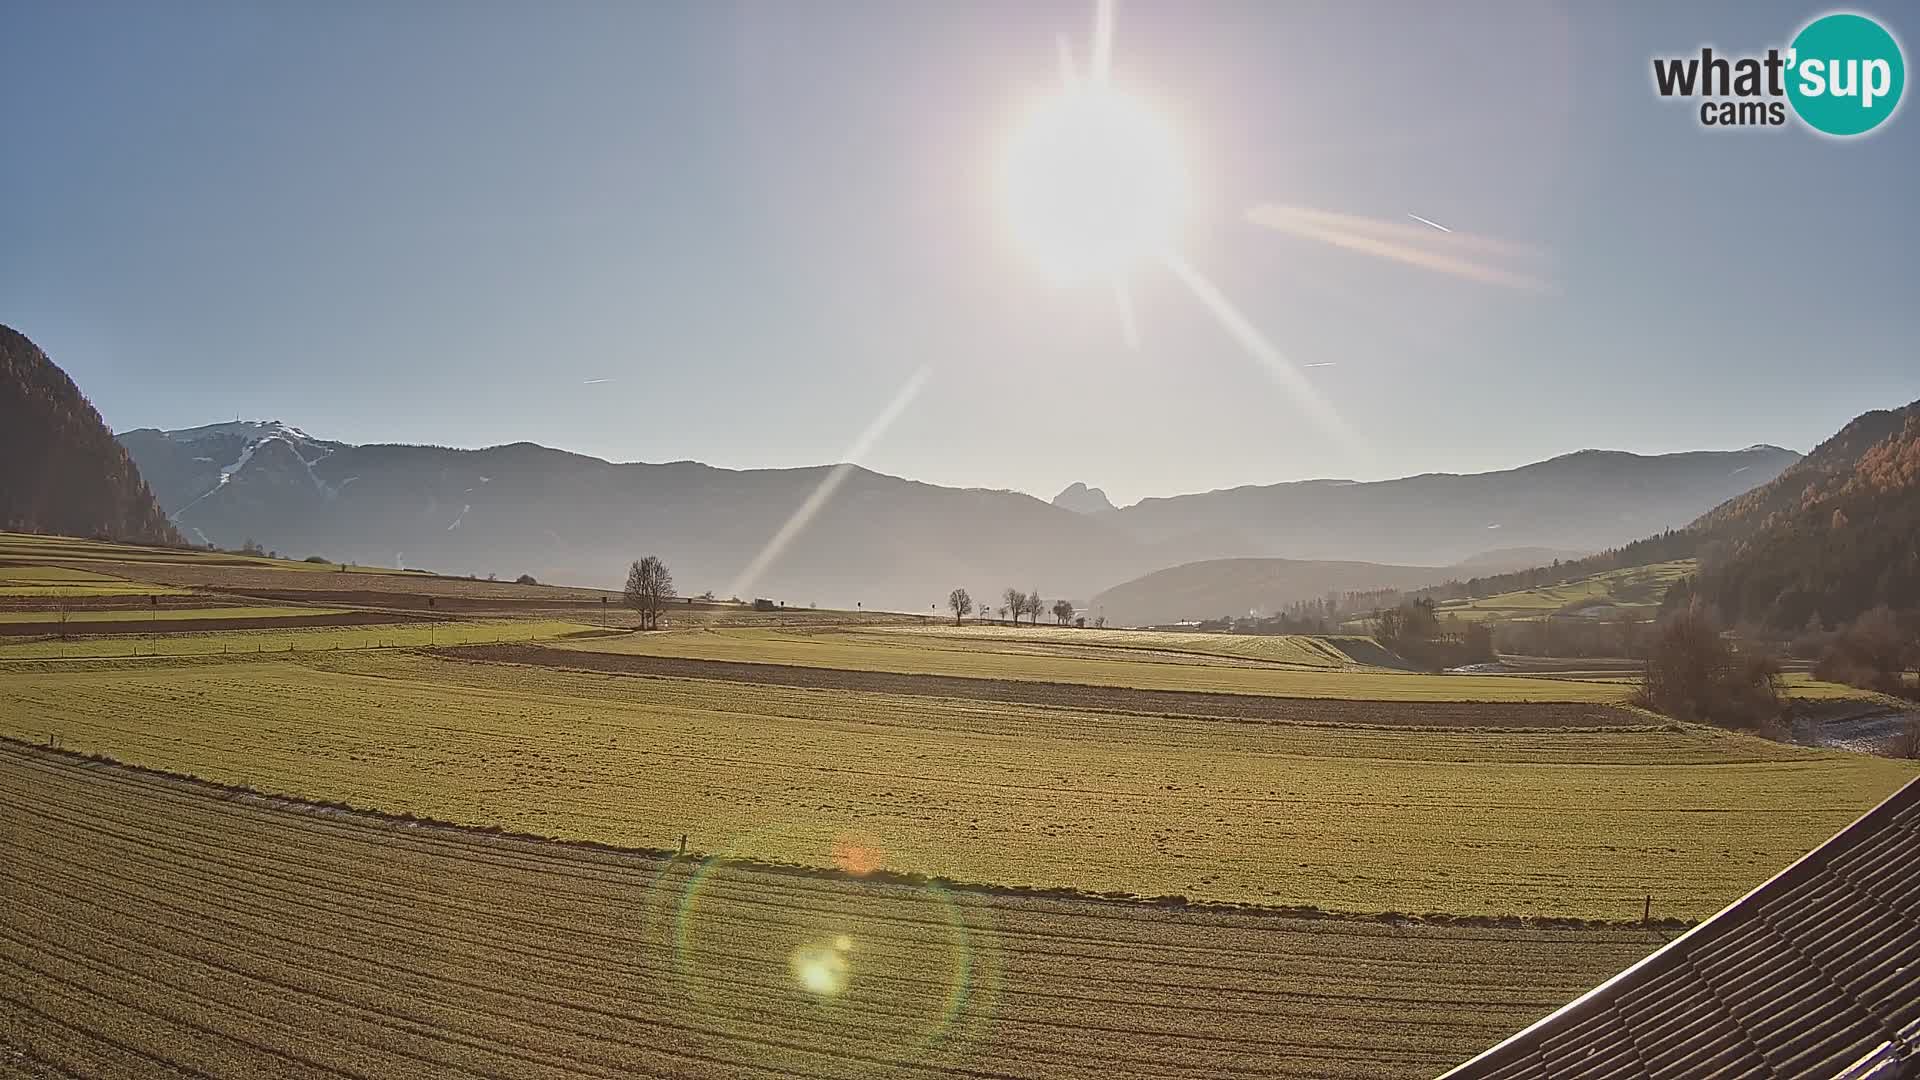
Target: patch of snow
{"points": [[1740, 470], [1495, 525], [246, 455], [484, 479], [208, 460]]}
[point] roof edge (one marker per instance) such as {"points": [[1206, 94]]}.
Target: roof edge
{"points": [[1513, 1046]]}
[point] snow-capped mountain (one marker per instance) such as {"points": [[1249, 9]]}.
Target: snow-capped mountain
{"points": [[188, 465]]}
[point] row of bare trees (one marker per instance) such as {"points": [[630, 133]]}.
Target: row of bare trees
{"points": [[1014, 604]]}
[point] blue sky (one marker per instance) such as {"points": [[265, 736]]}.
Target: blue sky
{"points": [[437, 221]]}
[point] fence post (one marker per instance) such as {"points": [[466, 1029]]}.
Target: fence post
{"points": [[1646, 913]]}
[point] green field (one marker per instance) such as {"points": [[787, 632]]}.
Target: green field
{"points": [[168, 614], [993, 653], [29, 547], [1637, 589], [1286, 650], [1578, 823], [305, 639], [34, 580]]}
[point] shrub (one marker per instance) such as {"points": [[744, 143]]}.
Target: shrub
{"points": [[525, 579], [1870, 652], [316, 559], [1694, 673]]}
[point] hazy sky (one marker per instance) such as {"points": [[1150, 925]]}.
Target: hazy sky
{"points": [[444, 221]]}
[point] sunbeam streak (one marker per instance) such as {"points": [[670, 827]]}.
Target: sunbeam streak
{"points": [[1280, 216], [1123, 300], [744, 583], [1278, 366], [1101, 62], [1408, 244]]}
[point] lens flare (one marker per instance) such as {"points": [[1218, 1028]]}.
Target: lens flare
{"points": [[734, 936], [797, 523], [856, 854], [820, 969]]}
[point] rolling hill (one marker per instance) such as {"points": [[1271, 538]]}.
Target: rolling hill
{"points": [[1585, 501], [1216, 587], [1833, 534], [60, 469]]}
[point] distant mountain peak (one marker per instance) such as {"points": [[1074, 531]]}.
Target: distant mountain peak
{"points": [[1082, 499]]}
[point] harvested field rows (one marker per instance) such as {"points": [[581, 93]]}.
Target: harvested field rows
{"points": [[1258, 707], [148, 924], [1568, 823], [911, 653]]}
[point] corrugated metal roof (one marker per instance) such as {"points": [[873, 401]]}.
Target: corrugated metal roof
{"points": [[1814, 972]]}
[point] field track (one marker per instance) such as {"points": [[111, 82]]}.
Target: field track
{"points": [[1254, 707], [149, 924]]}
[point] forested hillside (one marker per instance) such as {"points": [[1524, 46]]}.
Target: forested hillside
{"points": [[1826, 541], [60, 469], [1833, 535]]}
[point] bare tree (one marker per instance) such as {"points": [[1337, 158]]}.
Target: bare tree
{"points": [[961, 605], [1016, 603], [649, 587], [1035, 606], [1695, 674], [1063, 611], [1906, 744]]}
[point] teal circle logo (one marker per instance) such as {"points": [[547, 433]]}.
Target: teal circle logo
{"points": [[1845, 74]]}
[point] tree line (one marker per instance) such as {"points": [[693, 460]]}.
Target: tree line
{"points": [[1015, 603]]}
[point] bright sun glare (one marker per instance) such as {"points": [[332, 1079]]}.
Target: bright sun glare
{"points": [[1093, 184]]}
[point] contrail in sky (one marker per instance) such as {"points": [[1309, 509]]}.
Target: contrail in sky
{"points": [[595, 382], [1424, 221], [1325, 363]]}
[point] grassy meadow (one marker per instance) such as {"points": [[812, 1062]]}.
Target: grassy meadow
{"points": [[1571, 823], [1637, 589]]}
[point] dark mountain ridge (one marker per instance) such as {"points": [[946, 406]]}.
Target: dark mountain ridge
{"points": [[60, 469]]}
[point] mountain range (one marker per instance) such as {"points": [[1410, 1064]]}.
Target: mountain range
{"points": [[868, 538]]}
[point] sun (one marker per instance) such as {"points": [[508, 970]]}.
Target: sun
{"points": [[1092, 184]]}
